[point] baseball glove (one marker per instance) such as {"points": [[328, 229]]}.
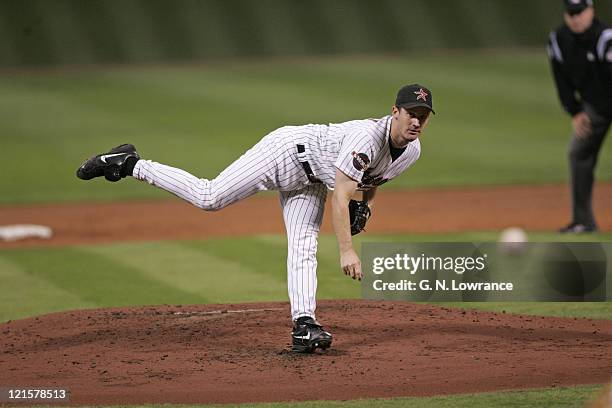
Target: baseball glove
{"points": [[359, 212]]}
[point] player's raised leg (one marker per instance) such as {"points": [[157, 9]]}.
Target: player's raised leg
{"points": [[303, 214], [269, 165], [254, 171]]}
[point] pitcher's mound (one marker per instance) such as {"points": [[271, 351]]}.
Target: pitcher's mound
{"points": [[240, 353]]}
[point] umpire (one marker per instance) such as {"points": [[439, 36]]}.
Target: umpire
{"points": [[580, 53]]}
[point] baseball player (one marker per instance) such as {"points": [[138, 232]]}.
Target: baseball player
{"points": [[580, 53], [302, 163]]}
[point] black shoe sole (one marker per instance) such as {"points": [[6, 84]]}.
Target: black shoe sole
{"points": [[310, 348], [110, 172]]}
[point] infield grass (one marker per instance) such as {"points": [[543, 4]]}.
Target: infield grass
{"points": [[232, 270], [498, 120], [562, 397]]}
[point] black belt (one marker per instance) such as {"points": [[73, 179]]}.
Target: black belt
{"points": [[306, 166]]}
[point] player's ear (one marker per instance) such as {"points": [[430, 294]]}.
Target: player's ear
{"points": [[395, 111]]}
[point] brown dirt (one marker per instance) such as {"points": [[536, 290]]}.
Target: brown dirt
{"points": [[543, 208], [198, 354]]}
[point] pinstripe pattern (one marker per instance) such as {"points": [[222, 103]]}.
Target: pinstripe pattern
{"points": [[274, 164], [303, 213], [331, 147], [269, 165]]}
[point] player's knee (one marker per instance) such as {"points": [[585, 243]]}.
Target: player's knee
{"points": [[210, 203], [303, 251], [206, 197]]}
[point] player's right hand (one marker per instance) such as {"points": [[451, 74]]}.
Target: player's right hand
{"points": [[582, 125], [350, 264]]}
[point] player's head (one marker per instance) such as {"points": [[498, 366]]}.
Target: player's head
{"points": [[578, 15], [411, 111]]}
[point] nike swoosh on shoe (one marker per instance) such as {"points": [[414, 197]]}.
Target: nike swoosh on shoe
{"points": [[106, 156], [307, 337]]}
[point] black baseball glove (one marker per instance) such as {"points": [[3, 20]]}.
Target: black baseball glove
{"points": [[359, 214]]}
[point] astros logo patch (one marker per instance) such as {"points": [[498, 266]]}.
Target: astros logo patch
{"points": [[361, 161]]}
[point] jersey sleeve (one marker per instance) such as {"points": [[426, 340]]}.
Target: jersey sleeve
{"points": [[604, 50], [356, 153], [604, 46], [565, 89]]}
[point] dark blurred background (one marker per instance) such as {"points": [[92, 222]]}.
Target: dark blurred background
{"points": [[50, 32]]}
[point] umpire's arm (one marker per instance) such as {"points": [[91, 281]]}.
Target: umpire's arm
{"points": [[343, 191], [565, 88]]}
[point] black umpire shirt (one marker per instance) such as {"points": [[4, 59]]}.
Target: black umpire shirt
{"points": [[582, 67]]}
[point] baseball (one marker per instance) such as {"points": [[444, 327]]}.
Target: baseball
{"points": [[512, 241]]}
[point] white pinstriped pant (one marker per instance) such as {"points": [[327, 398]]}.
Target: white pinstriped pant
{"points": [[269, 165]]}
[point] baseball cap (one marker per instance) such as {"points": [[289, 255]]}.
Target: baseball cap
{"points": [[413, 95], [576, 6]]}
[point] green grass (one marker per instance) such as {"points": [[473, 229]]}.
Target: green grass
{"points": [[563, 397], [497, 112], [41, 280]]}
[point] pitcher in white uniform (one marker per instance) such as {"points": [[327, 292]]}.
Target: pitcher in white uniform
{"points": [[302, 163]]}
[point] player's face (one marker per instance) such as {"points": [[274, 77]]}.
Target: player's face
{"points": [[410, 122], [579, 23]]}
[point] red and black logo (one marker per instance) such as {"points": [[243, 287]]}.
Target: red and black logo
{"points": [[361, 161]]}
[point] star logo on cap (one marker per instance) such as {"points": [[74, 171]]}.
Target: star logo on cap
{"points": [[421, 94]]}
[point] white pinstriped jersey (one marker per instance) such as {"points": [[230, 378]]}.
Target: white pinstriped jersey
{"points": [[359, 148]]}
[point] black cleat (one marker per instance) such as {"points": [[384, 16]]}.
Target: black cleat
{"points": [[308, 335], [114, 165], [578, 228]]}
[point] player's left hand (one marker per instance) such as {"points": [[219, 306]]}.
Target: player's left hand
{"points": [[350, 264]]}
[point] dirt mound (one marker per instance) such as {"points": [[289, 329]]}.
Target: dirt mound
{"points": [[239, 353], [543, 208]]}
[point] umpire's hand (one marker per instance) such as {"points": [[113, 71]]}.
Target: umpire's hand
{"points": [[582, 125]]}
